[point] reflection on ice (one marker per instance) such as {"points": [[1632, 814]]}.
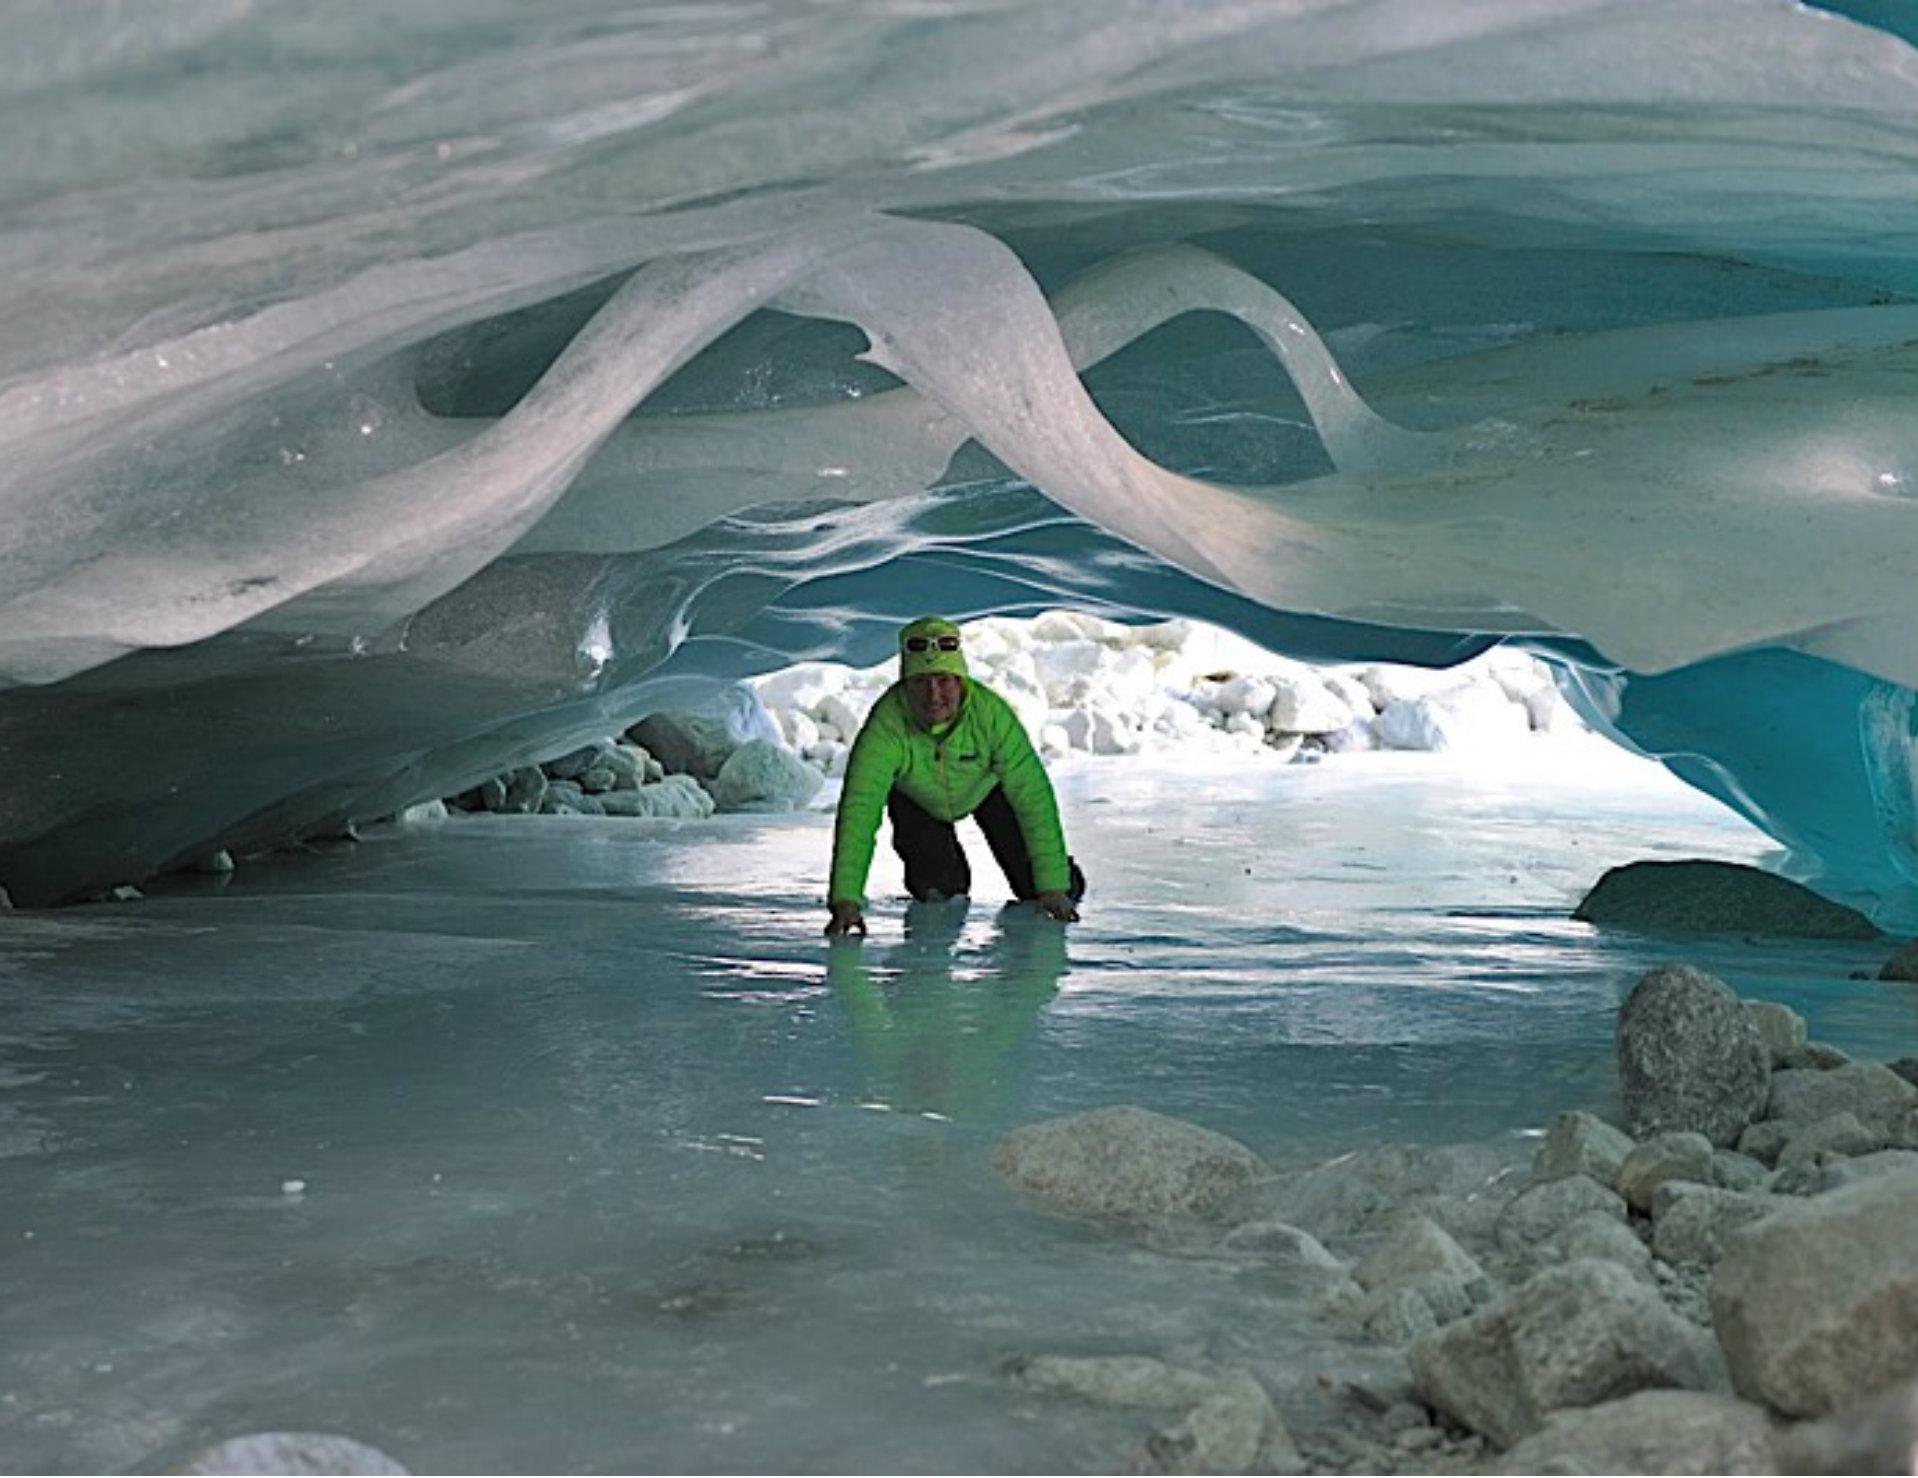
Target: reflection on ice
{"points": [[585, 1114]]}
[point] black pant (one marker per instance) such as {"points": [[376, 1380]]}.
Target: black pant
{"points": [[936, 863]]}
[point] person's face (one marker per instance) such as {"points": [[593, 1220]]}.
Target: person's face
{"points": [[934, 696]]}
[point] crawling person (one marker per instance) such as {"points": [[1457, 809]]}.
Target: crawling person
{"points": [[936, 748]]}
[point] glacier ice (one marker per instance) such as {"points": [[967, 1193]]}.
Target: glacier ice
{"points": [[387, 401]]}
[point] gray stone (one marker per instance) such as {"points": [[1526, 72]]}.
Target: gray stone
{"points": [[1677, 1432], [1599, 1235], [290, 1452], [1536, 1213], [1461, 1187], [525, 789], [1869, 1090], [1819, 1302], [1783, 1029], [1131, 1382], [684, 743], [1860, 1168], [1416, 1248], [1280, 1242], [1838, 1136], [1233, 1430], [678, 796], [1125, 1161], [1574, 1335], [1396, 1316], [1822, 1056], [1700, 896], [1903, 965], [1661, 1158], [1692, 1230], [1765, 1140], [598, 779], [574, 763], [1906, 1068], [1877, 1435], [1689, 1057], [1734, 1171], [759, 776], [1578, 1143]]}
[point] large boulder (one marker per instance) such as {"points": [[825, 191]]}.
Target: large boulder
{"points": [[1903, 965], [1689, 1058], [1819, 1302], [1680, 1432], [1703, 897], [1125, 1161], [759, 776], [1693, 1229], [1574, 1335]]}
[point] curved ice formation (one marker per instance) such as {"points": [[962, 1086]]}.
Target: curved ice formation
{"points": [[1629, 306]]}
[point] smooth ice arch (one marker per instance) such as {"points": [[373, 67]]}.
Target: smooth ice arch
{"points": [[252, 586]]}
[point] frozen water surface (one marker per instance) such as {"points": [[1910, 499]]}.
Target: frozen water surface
{"points": [[543, 1144]]}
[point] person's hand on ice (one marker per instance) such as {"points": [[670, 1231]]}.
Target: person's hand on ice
{"points": [[1058, 906], [847, 918]]}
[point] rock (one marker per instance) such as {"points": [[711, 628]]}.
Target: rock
{"points": [[1574, 1335], [1839, 1136], [525, 789], [1783, 1029], [1870, 1091], [1819, 1302], [677, 796], [1282, 1243], [1733, 1171], [218, 864], [1661, 1158], [1579, 1143], [1692, 1230], [1850, 1172], [1125, 1162], [1397, 1316], [574, 763], [1906, 1068], [1538, 1212], [1689, 1058], [1302, 704], [1877, 1435], [1679, 1432], [1822, 1056], [685, 743], [290, 1452], [1231, 1431], [1765, 1140], [1597, 1234], [488, 795], [1717, 898], [1903, 965], [1417, 1248], [1132, 1382], [1461, 1187], [759, 776]]}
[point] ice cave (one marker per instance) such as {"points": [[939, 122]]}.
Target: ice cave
{"points": [[1412, 466]]}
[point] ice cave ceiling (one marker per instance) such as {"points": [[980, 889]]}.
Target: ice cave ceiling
{"points": [[393, 393]]}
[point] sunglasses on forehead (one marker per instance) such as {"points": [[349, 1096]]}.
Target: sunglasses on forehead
{"points": [[931, 643]]}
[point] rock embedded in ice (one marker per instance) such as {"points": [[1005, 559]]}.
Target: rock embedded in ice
{"points": [[525, 789], [1703, 896], [1663, 1157], [1783, 1029], [1578, 1143], [1819, 1303], [290, 1453], [1573, 1335], [1281, 1243], [1236, 1429], [1462, 1187], [1677, 1432], [1539, 1211], [759, 776], [1869, 1090], [1133, 1382], [1125, 1161], [1692, 1229], [1689, 1058], [685, 743], [677, 796], [574, 763]]}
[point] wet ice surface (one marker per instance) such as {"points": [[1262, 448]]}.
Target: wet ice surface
{"points": [[610, 1163]]}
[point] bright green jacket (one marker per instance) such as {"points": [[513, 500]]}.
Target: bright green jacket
{"points": [[949, 771]]}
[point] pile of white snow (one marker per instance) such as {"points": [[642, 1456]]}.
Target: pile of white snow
{"points": [[1088, 685]]}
